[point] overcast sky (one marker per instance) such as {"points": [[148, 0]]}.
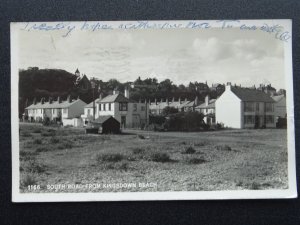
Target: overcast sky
{"points": [[182, 55]]}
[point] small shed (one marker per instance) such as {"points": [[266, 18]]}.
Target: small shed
{"points": [[106, 125]]}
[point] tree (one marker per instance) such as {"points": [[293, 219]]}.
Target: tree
{"points": [[169, 110]]}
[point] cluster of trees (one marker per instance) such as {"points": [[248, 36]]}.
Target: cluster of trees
{"points": [[178, 121]]}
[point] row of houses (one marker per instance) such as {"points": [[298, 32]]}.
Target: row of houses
{"points": [[77, 113], [237, 107]]}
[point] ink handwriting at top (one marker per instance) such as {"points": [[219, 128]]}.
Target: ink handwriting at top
{"points": [[66, 26], [277, 30], [93, 26], [148, 25]]}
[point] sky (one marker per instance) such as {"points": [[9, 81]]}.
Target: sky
{"points": [[182, 55]]}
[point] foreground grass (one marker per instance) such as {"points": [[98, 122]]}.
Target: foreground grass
{"points": [[174, 161]]}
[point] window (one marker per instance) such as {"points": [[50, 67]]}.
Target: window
{"points": [[123, 106], [249, 119], [269, 119], [134, 107], [104, 107], [269, 107], [142, 108], [257, 106], [100, 106], [109, 106], [89, 112], [248, 107]]}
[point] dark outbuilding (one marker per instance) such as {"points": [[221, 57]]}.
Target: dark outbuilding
{"points": [[104, 125]]}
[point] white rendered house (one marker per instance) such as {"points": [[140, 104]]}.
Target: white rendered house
{"points": [[279, 106], [128, 112], [208, 110], [241, 107]]}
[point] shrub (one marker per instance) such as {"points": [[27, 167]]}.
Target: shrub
{"points": [[42, 149], [25, 155], [110, 157], [223, 147], [160, 157], [189, 150], [65, 145], [34, 167], [48, 133], [37, 141], [254, 186], [37, 130], [138, 150], [27, 179], [200, 144], [26, 134], [195, 160], [141, 136], [54, 140]]}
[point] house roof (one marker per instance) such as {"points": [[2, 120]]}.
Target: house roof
{"points": [[277, 98], [211, 104], [102, 119], [251, 95], [53, 105], [114, 98], [90, 105]]}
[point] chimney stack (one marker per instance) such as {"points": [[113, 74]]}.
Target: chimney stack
{"points": [[69, 98], [34, 100], [179, 100], [206, 100], [228, 86], [196, 101], [127, 93], [173, 99], [50, 100], [155, 101], [167, 101], [100, 96], [42, 100], [58, 99]]}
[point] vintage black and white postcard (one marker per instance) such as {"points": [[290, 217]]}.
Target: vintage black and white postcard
{"points": [[152, 110]]}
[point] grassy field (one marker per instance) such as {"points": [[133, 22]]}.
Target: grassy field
{"points": [[166, 161]]}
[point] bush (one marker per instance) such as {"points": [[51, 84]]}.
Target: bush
{"points": [[37, 141], [26, 134], [48, 133], [160, 157], [254, 186], [34, 167], [27, 179], [200, 144], [110, 157], [25, 155], [189, 150], [54, 140], [141, 136], [195, 160], [37, 130], [42, 149], [223, 147], [138, 150], [65, 145]]}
